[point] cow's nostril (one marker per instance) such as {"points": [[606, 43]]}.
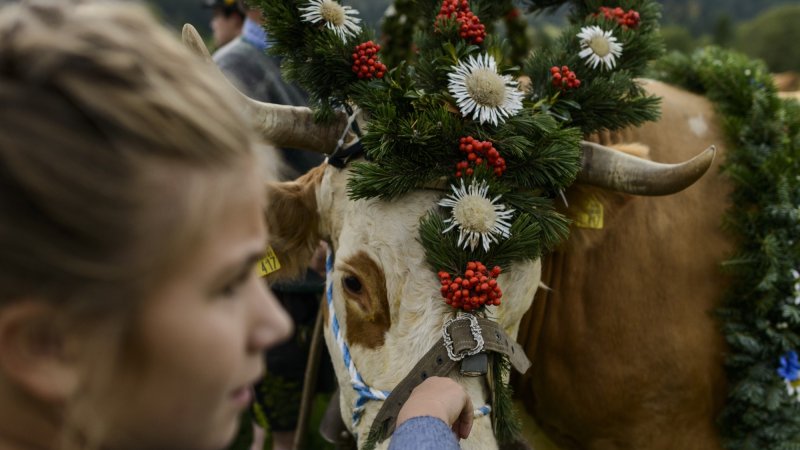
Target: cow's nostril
{"points": [[352, 284]]}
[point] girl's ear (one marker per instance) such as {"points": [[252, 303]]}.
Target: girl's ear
{"points": [[35, 354]]}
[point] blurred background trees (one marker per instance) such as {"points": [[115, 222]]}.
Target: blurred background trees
{"points": [[773, 36]]}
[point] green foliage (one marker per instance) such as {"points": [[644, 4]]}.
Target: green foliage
{"points": [[398, 29], [678, 38], [772, 37], [723, 32], [508, 430], [701, 16], [760, 319]]}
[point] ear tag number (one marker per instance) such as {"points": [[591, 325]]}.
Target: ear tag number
{"points": [[269, 263], [590, 214]]}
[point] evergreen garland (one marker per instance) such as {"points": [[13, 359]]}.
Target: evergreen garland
{"points": [[499, 163], [760, 314]]}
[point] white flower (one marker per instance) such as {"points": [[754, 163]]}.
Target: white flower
{"points": [[340, 19], [793, 388], [477, 217], [598, 46], [480, 90]]}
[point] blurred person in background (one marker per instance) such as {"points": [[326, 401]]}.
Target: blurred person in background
{"points": [[226, 21]]}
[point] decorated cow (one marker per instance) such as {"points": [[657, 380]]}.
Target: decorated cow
{"points": [[439, 199]]}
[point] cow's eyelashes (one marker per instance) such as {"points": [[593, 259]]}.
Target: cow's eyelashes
{"points": [[352, 284]]}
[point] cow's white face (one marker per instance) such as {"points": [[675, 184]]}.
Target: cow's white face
{"points": [[387, 299]]}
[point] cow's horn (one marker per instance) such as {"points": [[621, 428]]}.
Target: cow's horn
{"points": [[611, 169], [282, 125]]}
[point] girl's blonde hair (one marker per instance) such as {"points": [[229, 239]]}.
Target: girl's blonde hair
{"points": [[94, 99]]}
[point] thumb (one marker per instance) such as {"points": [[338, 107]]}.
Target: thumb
{"points": [[465, 419]]}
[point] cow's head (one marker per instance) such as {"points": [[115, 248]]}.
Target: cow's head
{"points": [[384, 295]]}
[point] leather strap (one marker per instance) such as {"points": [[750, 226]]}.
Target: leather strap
{"points": [[437, 363], [495, 339], [342, 156]]}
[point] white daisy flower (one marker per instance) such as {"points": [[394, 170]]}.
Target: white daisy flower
{"points": [[479, 220], [480, 90], [340, 19], [599, 46]]}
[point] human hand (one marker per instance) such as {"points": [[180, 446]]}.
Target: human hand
{"points": [[442, 398]]}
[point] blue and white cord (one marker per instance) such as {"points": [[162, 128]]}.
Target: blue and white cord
{"points": [[364, 392]]}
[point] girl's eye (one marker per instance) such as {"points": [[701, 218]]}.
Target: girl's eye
{"points": [[232, 288], [229, 290]]}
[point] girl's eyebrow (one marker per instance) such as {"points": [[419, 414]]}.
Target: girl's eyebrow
{"points": [[242, 266]]}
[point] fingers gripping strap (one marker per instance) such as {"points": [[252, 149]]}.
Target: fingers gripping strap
{"points": [[437, 363]]}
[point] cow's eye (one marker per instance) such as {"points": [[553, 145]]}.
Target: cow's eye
{"points": [[352, 284]]}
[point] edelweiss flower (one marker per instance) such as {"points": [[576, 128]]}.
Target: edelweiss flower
{"points": [[793, 388], [789, 370], [796, 276], [480, 90], [599, 46], [477, 217], [339, 19]]}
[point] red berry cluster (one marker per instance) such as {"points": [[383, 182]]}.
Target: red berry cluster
{"points": [[366, 63], [564, 78], [470, 27], [628, 19], [476, 288], [479, 152]]}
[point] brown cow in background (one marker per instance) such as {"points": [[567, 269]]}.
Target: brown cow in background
{"points": [[626, 352]]}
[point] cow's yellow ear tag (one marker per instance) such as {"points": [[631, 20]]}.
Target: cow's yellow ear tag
{"points": [[590, 214], [269, 263]]}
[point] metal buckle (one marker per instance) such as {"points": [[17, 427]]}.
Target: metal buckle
{"points": [[474, 328]]}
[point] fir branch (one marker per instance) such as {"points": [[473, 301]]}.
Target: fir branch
{"points": [[506, 424], [554, 226], [524, 243], [386, 182], [441, 249], [553, 165], [397, 31]]}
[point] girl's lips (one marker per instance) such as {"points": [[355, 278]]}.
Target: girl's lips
{"points": [[243, 396]]}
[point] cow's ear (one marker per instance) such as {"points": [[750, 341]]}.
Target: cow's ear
{"points": [[293, 222]]}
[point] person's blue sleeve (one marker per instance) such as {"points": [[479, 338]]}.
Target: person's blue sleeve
{"points": [[423, 433]]}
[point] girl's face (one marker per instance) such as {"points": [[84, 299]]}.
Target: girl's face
{"points": [[203, 335]]}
